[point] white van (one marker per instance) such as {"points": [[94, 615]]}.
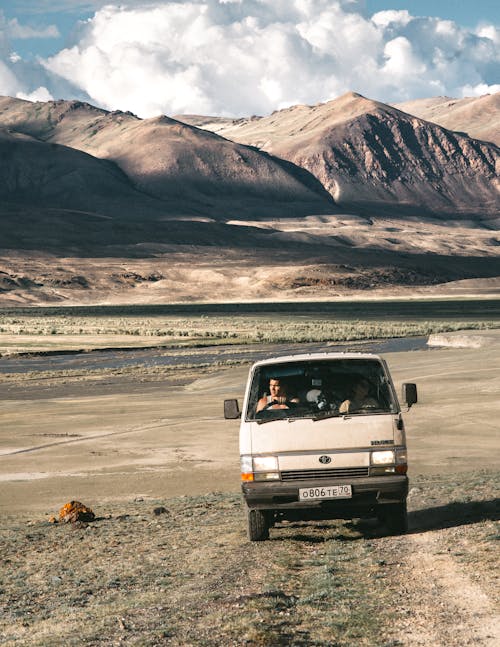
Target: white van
{"points": [[322, 437]]}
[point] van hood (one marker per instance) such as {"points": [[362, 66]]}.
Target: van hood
{"points": [[346, 432]]}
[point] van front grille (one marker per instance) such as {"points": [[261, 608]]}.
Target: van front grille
{"points": [[339, 472]]}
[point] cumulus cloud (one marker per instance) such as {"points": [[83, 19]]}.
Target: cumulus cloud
{"points": [[241, 57], [39, 94], [9, 85]]}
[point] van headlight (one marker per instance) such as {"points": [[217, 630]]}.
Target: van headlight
{"points": [[265, 464], [259, 468], [386, 457], [389, 461], [265, 468], [382, 462]]}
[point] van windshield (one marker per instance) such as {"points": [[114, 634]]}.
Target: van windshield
{"points": [[320, 388]]}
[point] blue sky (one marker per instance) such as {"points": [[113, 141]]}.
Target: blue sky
{"points": [[465, 12], [239, 57]]}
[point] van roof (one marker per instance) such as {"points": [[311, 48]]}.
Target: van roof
{"points": [[304, 357]]}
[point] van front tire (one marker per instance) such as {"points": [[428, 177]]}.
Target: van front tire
{"points": [[257, 525]]}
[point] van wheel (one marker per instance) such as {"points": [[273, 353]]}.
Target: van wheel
{"points": [[395, 517], [257, 525]]}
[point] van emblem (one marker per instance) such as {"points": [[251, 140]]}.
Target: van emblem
{"points": [[325, 459]]}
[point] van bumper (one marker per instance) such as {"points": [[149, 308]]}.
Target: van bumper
{"points": [[367, 494]]}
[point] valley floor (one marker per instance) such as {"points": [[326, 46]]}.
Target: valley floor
{"points": [[167, 561], [314, 257]]}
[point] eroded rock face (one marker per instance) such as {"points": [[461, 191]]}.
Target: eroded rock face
{"points": [[399, 162]]}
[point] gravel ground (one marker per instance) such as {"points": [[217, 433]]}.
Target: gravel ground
{"points": [[181, 572]]}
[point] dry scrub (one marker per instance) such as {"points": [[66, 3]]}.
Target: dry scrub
{"points": [[181, 572], [39, 333]]}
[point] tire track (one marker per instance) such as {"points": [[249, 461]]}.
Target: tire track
{"points": [[82, 439], [446, 607]]}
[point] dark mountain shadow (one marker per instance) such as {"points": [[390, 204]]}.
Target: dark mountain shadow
{"points": [[304, 177]]}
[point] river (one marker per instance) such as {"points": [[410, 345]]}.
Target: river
{"points": [[162, 356]]}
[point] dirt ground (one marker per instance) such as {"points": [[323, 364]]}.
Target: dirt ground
{"points": [[165, 439], [189, 576]]}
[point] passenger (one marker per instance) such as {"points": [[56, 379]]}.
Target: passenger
{"points": [[277, 398], [359, 398]]}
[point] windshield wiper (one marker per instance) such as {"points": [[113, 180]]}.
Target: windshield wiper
{"points": [[313, 417], [262, 421], [327, 414]]}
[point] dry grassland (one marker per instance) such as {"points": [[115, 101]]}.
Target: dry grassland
{"points": [[181, 572], [41, 333]]}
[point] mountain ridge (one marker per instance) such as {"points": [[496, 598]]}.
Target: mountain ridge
{"points": [[478, 117], [359, 150], [168, 160], [362, 154], [321, 201]]}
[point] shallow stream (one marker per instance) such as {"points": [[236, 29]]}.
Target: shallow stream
{"points": [[159, 356]]}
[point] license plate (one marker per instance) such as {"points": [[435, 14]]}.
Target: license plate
{"points": [[325, 492]]}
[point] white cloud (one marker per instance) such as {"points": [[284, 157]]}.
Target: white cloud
{"points": [[17, 30], [241, 57], [9, 85], [480, 89], [40, 94], [391, 17], [400, 58], [29, 79], [490, 32]]}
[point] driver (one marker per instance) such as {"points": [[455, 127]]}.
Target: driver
{"points": [[277, 398]]}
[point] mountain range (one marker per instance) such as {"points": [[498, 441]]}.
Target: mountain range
{"points": [[375, 158], [409, 193]]}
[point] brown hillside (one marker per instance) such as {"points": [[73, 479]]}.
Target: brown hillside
{"points": [[201, 172], [479, 117], [33, 173], [371, 156], [56, 198]]}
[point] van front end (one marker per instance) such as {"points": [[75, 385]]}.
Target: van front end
{"points": [[365, 483], [321, 437]]}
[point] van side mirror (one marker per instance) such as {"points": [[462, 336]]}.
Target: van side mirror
{"points": [[231, 409], [410, 393]]}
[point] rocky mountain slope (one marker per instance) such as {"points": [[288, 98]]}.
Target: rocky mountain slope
{"points": [[191, 170], [478, 117], [378, 159]]}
